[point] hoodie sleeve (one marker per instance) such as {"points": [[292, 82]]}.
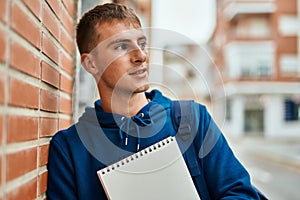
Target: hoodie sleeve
{"points": [[61, 183], [225, 176]]}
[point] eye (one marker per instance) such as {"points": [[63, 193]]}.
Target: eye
{"points": [[121, 47], [142, 45]]}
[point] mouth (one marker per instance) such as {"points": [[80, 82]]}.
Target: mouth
{"points": [[140, 72]]}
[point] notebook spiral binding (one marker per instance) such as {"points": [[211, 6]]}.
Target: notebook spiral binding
{"points": [[137, 155]]}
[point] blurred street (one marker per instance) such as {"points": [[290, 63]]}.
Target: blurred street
{"points": [[274, 165]]}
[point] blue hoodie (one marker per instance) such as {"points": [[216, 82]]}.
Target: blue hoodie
{"points": [[99, 139]]}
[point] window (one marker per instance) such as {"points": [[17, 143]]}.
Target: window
{"points": [[258, 68], [292, 110], [249, 59], [289, 64], [253, 27], [288, 25]]}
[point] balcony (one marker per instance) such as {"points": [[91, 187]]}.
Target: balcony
{"points": [[238, 7], [250, 59]]}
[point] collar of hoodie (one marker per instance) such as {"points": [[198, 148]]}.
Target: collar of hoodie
{"points": [[131, 126], [127, 126]]}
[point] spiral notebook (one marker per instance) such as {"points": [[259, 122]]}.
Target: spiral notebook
{"points": [[157, 172]]}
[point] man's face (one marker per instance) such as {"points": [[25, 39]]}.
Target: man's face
{"points": [[121, 58]]}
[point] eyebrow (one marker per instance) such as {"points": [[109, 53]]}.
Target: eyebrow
{"points": [[125, 40]]}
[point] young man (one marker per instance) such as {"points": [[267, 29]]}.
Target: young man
{"points": [[127, 119]]}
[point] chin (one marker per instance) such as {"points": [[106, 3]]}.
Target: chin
{"points": [[142, 89]]}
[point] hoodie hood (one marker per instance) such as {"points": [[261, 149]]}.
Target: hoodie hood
{"points": [[120, 134]]}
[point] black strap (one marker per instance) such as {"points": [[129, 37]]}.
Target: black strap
{"points": [[183, 118], [184, 123], [181, 112]]}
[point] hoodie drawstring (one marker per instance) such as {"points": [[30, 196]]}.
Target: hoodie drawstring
{"points": [[135, 121]]}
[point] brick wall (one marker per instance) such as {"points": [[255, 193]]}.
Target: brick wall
{"points": [[37, 55]]}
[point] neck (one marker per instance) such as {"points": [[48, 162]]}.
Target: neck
{"points": [[124, 103]]}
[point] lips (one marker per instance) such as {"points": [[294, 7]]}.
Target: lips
{"points": [[138, 72]]}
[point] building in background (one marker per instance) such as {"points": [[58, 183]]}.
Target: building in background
{"points": [[178, 56], [256, 48]]}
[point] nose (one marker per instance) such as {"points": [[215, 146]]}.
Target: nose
{"points": [[139, 56]]}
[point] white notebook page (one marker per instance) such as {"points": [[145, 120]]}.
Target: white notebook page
{"points": [[157, 172]]}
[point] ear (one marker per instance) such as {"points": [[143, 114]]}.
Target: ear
{"points": [[88, 62]]}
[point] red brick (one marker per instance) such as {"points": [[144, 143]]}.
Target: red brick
{"points": [[51, 22], [64, 123], [2, 88], [34, 6], [67, 64], [1, 130], [50, 49], [288, 45], [66, 84], [67, 44], [25, 26], [65, 105], [20, 60], [44, 151], [26, 191], [49, 126], [3, 44], [0, 168], [21, 162], [69, 4], [49, 101], [68, 22], [286, 8], [42, 183], [23, 94], [50, 75], [3, 10], [22, 128], [54, 4]]}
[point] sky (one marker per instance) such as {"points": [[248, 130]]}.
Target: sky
{"points": [[192, 18]]}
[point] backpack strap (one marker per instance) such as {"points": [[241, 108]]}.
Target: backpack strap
{"points": [[182, 114], [185, 125]]}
